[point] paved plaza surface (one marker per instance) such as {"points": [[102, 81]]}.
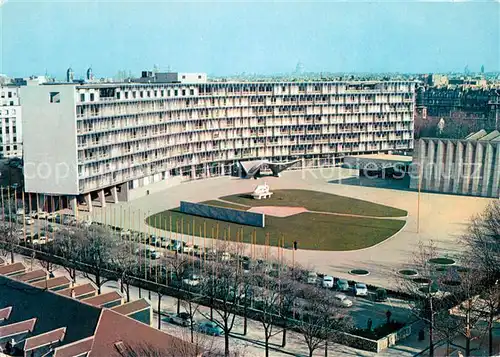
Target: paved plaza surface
{"points": [[443, 218]]}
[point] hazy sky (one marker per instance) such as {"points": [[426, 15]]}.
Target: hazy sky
{"points": [[254, 37]]}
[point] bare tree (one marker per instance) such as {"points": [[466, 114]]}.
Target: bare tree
{"points": [[8, 235], [423, 291], [125, 262], [482, 242], [321, 319], [68, 245], [491, 308], [177, 267], [225, 287], [99, 245]]}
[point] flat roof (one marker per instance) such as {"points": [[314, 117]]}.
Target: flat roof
{"points": [[385, 157]]}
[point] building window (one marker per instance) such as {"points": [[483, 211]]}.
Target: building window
{"points": [[183, 92], [141, 94], [15, 147], [9, 94], [168, 92], [176, 92], [118, 95], [191, 91], [7, 148], [162, 93], [199, 77], [92, 97], [82, 97], [183, 77], [55, 97], [134, 94]]}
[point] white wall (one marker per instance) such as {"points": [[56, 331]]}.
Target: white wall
{"points": [[49, 135]]}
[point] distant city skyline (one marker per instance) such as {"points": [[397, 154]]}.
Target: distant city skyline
{"points": [[223, 38]]}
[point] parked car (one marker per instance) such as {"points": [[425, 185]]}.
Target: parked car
{"points": [[187, 248], [225, 257], [29, 221], [52, 216], [210, 328], [342, 285], [152, 253], [193, 280], [312, 277], [42, 215], [342, 300], [360, 289], [381, 294], [53, 228], [182, 319], [174, 245], [327, 282]]}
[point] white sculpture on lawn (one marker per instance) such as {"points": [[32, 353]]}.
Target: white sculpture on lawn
{"points": [[261, 191]]}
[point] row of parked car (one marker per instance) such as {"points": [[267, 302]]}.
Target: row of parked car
{"points": [[184, 319]]}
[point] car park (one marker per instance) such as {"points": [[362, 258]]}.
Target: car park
{"points": [[52, 216], [327, 282], [29, 221], [360, 289], [342, 285], [342, 300], [210, 328], [182, 319], [41, 215]]}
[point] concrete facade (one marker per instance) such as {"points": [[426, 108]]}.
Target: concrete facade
{"points": [[467, 167], [11, 138], [112, 136]]}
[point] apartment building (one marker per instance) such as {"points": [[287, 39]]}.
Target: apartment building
{"points": [[110, 140], [10, 120]]}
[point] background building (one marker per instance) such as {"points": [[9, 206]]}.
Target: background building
{"points": [[118, 141], [469, 167], [10, 120]]}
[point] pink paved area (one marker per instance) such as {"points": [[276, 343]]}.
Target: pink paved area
{"points": [[278, 211], [443, 218]]}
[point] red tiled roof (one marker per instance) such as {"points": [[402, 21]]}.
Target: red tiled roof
{"points": [[102, 299], [114, 328], [52, 283], [32, 275], [131, 307], [12, 269], [5, 313], [17, 328], [44, 339], [79, 290], [74, 349]]}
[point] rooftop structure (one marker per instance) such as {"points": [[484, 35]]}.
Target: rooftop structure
{"points": [[35, 321], [123, 141]]}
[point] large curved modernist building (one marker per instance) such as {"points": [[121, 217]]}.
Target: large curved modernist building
{"points": [[116, 140]]}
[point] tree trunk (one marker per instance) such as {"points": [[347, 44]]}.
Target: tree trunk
{"points": [[121, 285], [283, 341], [74, 275], [267, 341], [467, 346], [311, 352], [127, 288], [12, 255], [245, 327], [431, 342], [178, 305], [490, 339], [139, 292], [192, 331], [326, 348], [98, 281], [226, 344], [159, 311]]}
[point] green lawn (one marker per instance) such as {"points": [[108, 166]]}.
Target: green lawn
{"points": [[311, 230], [319, 201]]}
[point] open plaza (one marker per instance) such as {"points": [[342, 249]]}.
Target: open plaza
{"points": [[437, 217]]}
